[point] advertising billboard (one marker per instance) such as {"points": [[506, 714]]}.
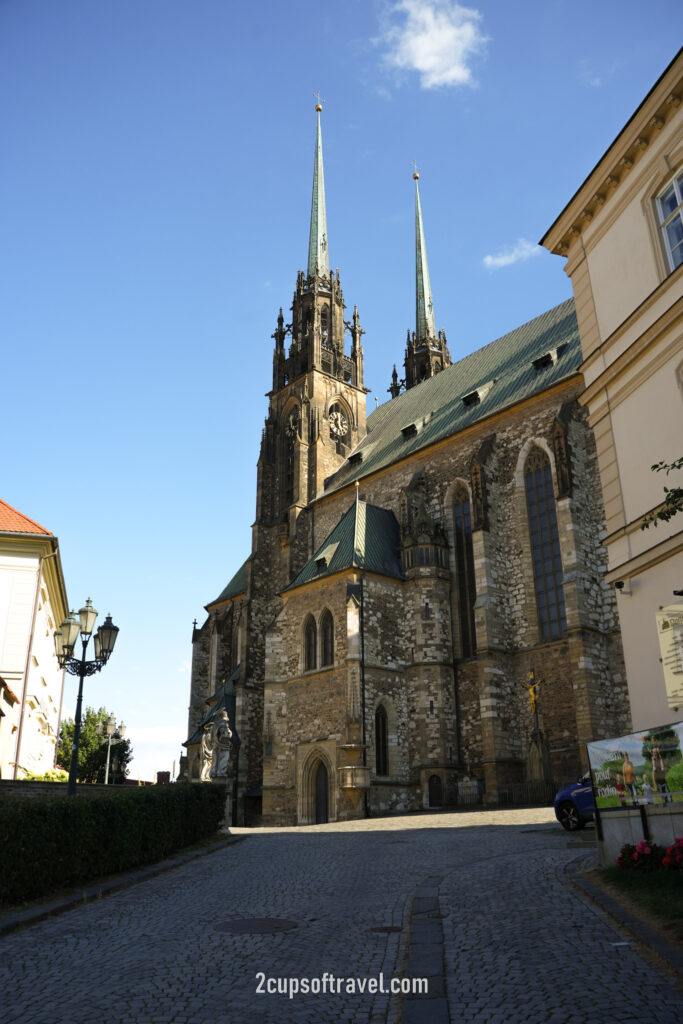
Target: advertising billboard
{"points": [[641, 768]]}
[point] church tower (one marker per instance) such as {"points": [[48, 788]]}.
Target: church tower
{"points": [[317, 403], [426, 352]]}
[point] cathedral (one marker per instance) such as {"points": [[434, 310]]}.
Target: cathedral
{"points": [[422, 620]]}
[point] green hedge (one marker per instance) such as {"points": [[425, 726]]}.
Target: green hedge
{"points": [[50, 843]]}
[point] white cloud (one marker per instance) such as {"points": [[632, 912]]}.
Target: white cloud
{"points": [[596, 79], [437, 38], [588, 77], [520, 251]]}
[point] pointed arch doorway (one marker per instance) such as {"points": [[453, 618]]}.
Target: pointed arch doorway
{"points": [[435, 791], [316, 782], [321, 791]]}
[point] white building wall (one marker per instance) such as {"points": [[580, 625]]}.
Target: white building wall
{"points": [[629, 306], [42, 688]]}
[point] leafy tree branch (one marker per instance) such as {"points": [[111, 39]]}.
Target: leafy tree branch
{"points": [[92, 752], [673, 500]]}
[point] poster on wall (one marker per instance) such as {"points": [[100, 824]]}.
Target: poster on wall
{"points": [[670, 632], [641, 768]]}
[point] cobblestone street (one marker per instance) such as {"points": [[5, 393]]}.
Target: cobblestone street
{"points": [[478, 903]]}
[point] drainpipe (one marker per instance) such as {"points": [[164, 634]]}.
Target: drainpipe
{"points": [[362, 647], [39, 576], [362, 683]]}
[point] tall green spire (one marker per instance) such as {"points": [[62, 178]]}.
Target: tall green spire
{"points": [[424, 327], [317, 243]]}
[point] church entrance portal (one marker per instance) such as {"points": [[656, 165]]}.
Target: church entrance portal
{"points": [[321, 790], [435, 791]]}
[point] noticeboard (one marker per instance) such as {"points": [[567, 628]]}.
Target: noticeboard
{"points": [[670, 633]]}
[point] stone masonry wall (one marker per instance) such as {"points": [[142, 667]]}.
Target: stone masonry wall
{"points": [[506, 614], [446, 715]]}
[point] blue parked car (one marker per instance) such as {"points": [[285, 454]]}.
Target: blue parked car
{"points": [[574, 804]]}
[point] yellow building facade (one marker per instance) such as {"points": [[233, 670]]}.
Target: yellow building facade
{"points": [[622, 236]]}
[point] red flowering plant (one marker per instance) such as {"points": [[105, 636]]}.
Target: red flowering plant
{"points": [[673, 858], [645, 856]]}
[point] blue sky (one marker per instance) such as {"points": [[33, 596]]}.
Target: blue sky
{"points": [[156, 176]]}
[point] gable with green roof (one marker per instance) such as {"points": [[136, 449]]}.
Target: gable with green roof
{"points": [[366, 537]]}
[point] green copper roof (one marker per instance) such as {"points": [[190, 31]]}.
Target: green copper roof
{"points": [[366, 537], [517, 366], [237, 585], [424, 307], [317, 242]]}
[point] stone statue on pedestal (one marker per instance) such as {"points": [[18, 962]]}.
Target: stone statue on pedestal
{"points": [[206, 755], [221, 736]]}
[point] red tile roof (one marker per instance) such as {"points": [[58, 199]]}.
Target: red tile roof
{"points": [[12, 521]]}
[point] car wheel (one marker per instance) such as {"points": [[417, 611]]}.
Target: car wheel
{"points": [[569, 817]]}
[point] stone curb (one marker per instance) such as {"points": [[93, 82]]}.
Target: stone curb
{"points": [[16, 920], [644, 934]]}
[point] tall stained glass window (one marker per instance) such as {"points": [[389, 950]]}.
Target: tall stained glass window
{"points": [[381, 741], [327, 631], [464, 569], [310, 644], [545, 546]]}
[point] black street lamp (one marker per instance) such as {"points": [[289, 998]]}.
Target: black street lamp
{"points": [[114, 734], [65, 641]]}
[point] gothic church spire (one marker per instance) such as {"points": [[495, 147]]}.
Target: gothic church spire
{"points": [[318, 259], [426, 352], [424, 307]]}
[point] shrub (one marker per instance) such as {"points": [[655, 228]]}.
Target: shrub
{"points": [[673, 857], [643, 857], [53, 842], [51, 775]]}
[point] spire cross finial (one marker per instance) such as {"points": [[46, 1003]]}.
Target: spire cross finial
{"points": [[416, 169], [318, 101]]}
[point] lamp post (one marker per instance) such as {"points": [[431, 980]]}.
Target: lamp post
{"points": [[115, 734], [65, 641]]}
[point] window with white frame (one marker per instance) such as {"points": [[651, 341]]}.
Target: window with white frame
{"points": [[670, 210]]}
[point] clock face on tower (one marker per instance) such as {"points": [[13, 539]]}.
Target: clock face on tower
{"points": [[338, 423]]}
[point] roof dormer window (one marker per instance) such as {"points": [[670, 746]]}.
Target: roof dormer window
{"points": [[478, 395], [548, 358]]}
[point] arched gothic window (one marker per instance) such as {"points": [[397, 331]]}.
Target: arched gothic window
{"points": [[464, 569], [327, 635], [381, 741], [310, 644], [545, 545]]}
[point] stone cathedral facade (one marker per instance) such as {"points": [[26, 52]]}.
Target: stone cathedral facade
{"points": [[414, 574]]}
